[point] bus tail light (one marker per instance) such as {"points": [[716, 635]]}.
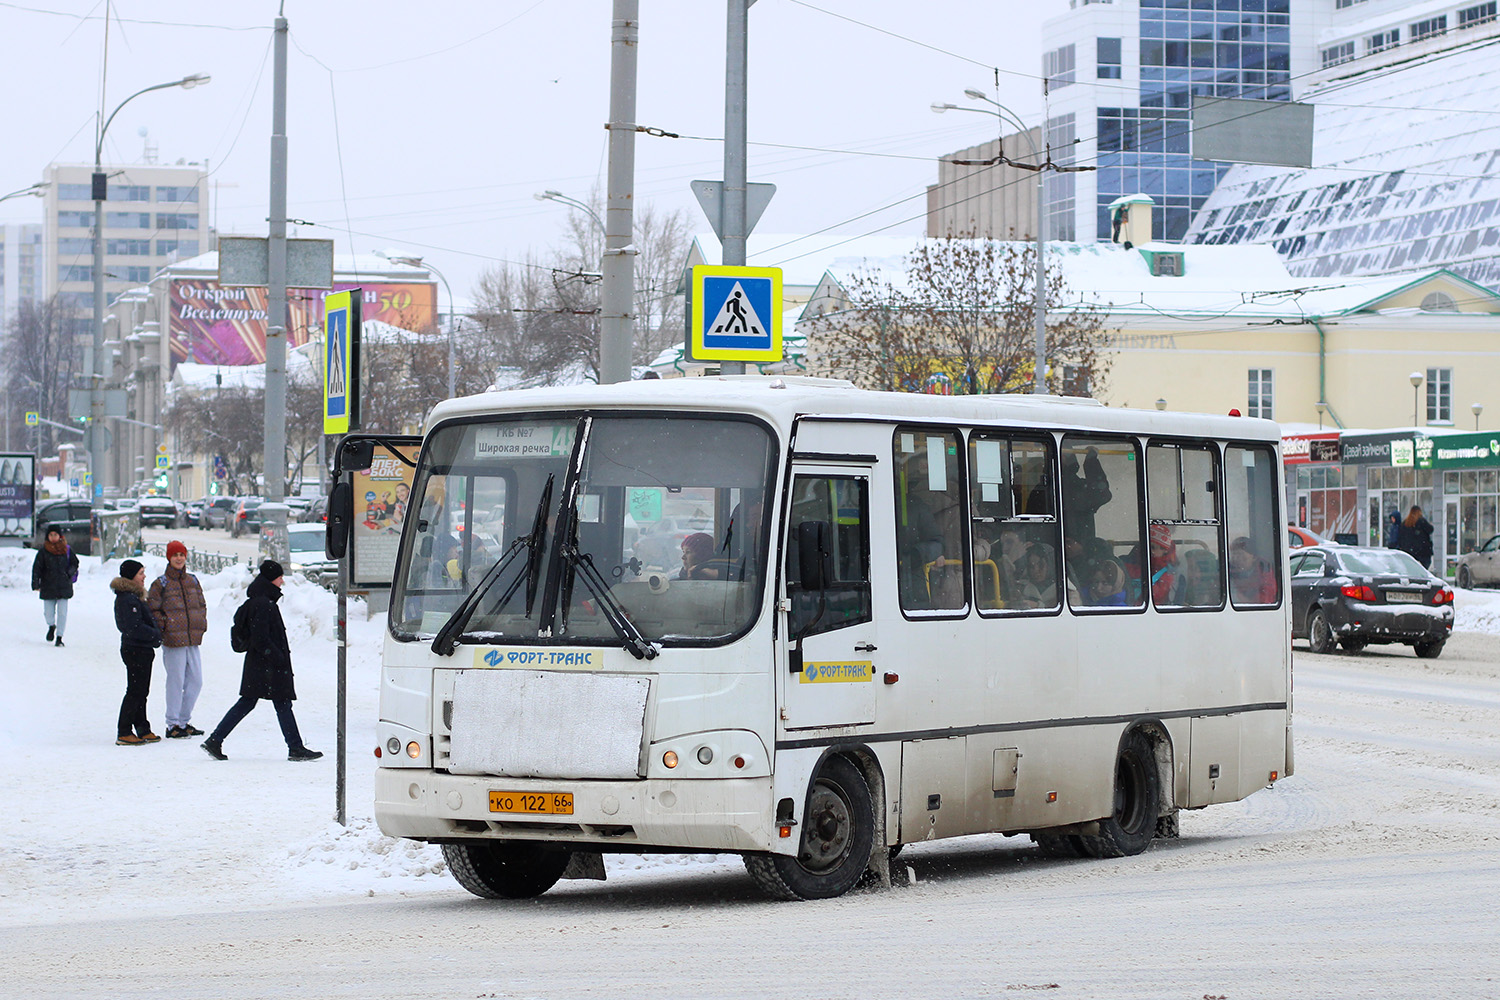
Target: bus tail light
{"points": [[785, 831]]}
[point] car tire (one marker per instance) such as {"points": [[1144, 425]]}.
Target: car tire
{"points": [[1353, 645], [1319, 633], [1430, 650], [1465, 578]]}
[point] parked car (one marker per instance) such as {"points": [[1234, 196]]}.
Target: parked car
{"points": [[1297, 538], [1481, 567], [306, 543], [1356, 596], [71, 517], [316, 512], [217, 512], [160, 512], [192, 512], [246, 516]]}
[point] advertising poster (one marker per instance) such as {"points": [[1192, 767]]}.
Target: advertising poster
{"points": [[17, 494], [214, 325], [380, 497]]}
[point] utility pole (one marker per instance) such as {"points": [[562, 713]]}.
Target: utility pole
{"points": [[617, 297], [273, 511], [736, 58]]}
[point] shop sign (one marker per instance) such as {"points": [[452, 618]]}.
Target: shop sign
{"points": [[1458, 451], [1300, 449], [1377, 449]]}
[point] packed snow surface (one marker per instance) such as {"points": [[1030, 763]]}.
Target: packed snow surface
{"points": [[155, 871]]}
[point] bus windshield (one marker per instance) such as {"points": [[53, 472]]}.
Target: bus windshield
{"points": [[665, 530]]}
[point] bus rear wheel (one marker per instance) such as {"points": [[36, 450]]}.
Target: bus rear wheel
{"points": [[503, 870], [1132, 826], [838, 833]]}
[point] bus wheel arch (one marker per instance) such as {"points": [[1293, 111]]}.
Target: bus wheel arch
{"points": [[841, 821], [1138, 795]]}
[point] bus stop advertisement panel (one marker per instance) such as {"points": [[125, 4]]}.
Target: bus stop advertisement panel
{"points": [[17, 497]]}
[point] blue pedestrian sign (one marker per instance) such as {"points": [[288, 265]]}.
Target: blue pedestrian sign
{"points": [[736, 314], [341, 368]]}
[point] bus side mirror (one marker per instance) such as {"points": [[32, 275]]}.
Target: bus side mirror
{"points": [[812, 554], [357, 455], [340, 513]]}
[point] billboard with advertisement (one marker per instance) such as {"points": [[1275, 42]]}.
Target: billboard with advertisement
{"points": [[380, 498], [1459, 451], [1301, 449], [17, 494], [216, 325]]}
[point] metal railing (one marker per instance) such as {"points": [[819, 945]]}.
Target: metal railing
{"points": [[204, 562]]}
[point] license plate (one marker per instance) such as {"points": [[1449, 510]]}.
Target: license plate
{"points": [[1402, 597], [532, 803]]}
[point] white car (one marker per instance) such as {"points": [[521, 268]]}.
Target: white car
{"points": [[1481, 567], [308, 557]]}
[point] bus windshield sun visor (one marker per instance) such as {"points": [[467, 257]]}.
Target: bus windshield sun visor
{"points": [[446, 639]]}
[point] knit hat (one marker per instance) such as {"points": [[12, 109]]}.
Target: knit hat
{"points": [[271, 569], [1162, 535], [129, 568], [176, 548]]}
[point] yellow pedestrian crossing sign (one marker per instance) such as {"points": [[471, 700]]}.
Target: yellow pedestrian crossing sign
{"points": [[32, 419], [736, 313], [341, 320], [163, 462]]}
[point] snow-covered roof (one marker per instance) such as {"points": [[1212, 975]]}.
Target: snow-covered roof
{"points": [[346, 267], [1406, 177]]}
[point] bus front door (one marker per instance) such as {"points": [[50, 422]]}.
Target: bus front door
{"points": [[830, 651]]}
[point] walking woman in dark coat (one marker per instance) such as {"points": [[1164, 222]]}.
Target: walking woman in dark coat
{"points": [[268, 666], [1415, 537], [139, 638], [53, 573]]}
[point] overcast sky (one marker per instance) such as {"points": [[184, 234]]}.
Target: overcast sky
{"points": [[451, 114]]}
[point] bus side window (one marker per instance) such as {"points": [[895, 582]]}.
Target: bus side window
{"points": [[1254, 522], [931, 556], [841, 505], [1012, 513], [1101, 515], [1182, 505]]}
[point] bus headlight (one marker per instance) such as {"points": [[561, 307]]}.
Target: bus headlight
{"points": [[393, 747], [413, 749], [669, 758], [705, 755]]}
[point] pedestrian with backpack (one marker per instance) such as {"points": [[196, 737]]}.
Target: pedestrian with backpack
{"points": [[260, 634], [53, 573], [139, 638], [176, 599]]}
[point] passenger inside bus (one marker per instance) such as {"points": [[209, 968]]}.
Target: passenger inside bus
{"points": [[1039, 587], [1250, 579], [1164, 571], [697, 554]]}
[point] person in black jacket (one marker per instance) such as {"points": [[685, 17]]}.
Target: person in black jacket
{"points": [[139, 638], [1415, 537], [268, 666], [53, 573]]}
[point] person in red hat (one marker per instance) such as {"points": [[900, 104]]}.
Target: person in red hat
{"points": [[176, 602], [1163, 565]]}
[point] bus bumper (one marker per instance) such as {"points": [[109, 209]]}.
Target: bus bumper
{"points": [[730, 814]]}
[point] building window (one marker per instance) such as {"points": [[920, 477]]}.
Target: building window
{"points": [[127, 220], [1109, 59], [75, 220], [69, 245], [176, 220], [1058, 67], [1439, 302], [138, 274], [1262, 393], [128, 248], [130, 192], [182, 248], [75, 272], [1341, 4], [75, 192], [1440, 395], [1382, 40], [1483, 13], [175, 194], [1429, 28], [1338, 54]]}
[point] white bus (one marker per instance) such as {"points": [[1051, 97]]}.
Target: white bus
{"points": [[808, 623]]}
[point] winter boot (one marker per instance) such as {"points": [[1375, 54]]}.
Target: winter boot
{"points": [[130, 740], [59, 641], [214, 749], [302, 753], [51, 631]]}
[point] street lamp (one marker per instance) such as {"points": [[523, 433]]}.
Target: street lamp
{"points": [[1007, 116], [452, 315], [100, 184], [37, 190], [1322, 408], [1416, 382], [572, 202], [1161, 404], [1477, 408]]}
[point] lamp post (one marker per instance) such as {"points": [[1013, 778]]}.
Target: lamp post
{"points": [[1007, 116], [583, 207], [1416, 384], [37, 190], [452, 315], [1477, 409], [100, 185], [1322, 408]]}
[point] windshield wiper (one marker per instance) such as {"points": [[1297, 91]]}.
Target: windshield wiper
{"points": [[446, 640], [584, 569]]}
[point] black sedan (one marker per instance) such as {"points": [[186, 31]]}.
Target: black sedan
{"points": [[1355, 596]]}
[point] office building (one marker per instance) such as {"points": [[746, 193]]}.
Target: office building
{"points": [[22, 258]]}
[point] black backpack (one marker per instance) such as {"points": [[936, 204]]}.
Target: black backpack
{"points": [[239, 632]]}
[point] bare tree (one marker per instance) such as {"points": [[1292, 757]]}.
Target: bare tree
{"points": [[224, 423], [40, 360], [962, 321]]}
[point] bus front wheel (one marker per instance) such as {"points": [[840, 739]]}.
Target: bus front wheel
{"points": [[503, 870], [1131, 827], [838, 833]]}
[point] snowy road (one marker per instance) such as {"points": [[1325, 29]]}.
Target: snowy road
{"points": [[124, 872]]}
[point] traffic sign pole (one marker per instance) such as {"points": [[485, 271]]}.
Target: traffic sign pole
{"points": [[735, 89]]}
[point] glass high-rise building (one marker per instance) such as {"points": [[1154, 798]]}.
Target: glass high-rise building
{"points": [[1120, 82]]}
